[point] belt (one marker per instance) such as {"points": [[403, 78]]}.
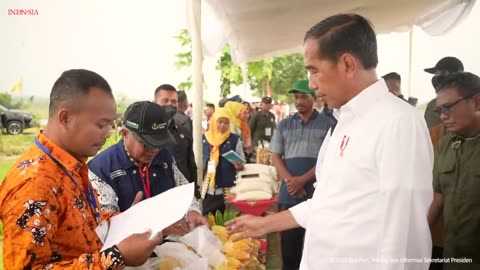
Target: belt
{"points": [[216, 191]]}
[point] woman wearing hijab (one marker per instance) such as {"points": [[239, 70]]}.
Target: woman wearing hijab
{"points": [[217, 141], [238, 114]]}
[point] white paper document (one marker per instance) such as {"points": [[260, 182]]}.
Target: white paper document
{"points": [[155, 213]]}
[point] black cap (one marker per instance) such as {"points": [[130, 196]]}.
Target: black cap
{"points": [[392, 76], [450, 64], [222, 102], [267, 100], [150, 122], [236, 98]]}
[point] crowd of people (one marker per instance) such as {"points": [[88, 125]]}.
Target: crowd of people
{"points": [[363, 174]]}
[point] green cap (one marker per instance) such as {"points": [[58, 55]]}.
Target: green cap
{"points": [[302, 87]]}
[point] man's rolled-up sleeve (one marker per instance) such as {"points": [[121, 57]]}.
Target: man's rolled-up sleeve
{"points": [[301, 212]]}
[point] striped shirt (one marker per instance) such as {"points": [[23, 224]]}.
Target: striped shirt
{"points": [[299, 142]]}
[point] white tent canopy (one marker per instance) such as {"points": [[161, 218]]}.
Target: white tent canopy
{"points": [[256, 29]]}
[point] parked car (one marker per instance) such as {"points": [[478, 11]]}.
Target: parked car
{"points": [[14, 121]]}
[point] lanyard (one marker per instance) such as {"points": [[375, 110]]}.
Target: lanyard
{"points": [[90, 195], [268, 123], [145, 181]]}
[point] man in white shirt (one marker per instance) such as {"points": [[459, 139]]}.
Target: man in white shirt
{"points": [[369, 209]]}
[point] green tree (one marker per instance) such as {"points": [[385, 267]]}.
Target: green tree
{"points": [[260, 75], [184, 59], [122, 102], [274, 76], [186, 85], [286, 70], [8, 101], [230, 73], [269, 77]]}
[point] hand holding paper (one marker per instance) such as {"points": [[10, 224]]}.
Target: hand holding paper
{"points": [[137, 248], [153, 214]]}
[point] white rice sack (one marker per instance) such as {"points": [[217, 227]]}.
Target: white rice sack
{"points": [[253, 177], [267, 170], [253, 196], [274, 184], [233, 190], [247, 186]]}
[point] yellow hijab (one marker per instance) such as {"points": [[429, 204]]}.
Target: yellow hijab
{"points": [[216, 138], [234, 109]]}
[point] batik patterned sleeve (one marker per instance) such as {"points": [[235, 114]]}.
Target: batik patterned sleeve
{"points": [[31, 228], [106, 195]]}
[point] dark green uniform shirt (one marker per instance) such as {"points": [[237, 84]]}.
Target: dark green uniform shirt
{"points": [[457, 177], [259, 123]]}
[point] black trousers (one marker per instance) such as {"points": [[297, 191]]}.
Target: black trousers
{"points": [[212, 203], [291, 244]]}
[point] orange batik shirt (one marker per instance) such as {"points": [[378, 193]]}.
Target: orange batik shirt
{"points": [[49, 221]]}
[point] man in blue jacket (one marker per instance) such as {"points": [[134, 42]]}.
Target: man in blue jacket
{"points": [[141, 162]]}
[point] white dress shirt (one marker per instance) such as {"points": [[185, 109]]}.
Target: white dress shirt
{"points": [[369, 209]]}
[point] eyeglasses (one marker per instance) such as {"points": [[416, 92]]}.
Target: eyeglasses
{"points": [[447, 109], [139, 140]]}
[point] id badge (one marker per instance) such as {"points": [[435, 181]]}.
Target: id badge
{"points": [[102, 230], [268, 132]]}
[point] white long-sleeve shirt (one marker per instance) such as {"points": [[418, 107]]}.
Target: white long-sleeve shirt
{"points": [[369, 209]]}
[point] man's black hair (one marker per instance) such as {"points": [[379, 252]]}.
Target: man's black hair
{"points": [[346, 33], [74, 84], [466, 83], [392, 76], [166, 87]]}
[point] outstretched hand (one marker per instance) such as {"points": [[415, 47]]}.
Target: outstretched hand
{"points": [[248, 226], [196, 219]]}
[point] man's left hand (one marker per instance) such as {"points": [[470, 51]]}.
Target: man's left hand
{"points": [[196, 219], [294, 185]]}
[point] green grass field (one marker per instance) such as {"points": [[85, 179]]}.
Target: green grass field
{"points": [[4, 167]]}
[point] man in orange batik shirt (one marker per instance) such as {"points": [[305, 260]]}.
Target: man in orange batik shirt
{"points": [[47, 206]]}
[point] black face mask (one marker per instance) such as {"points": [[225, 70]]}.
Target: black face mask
{"points": [[170, 109]]}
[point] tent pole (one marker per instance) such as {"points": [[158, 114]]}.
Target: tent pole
{"points": [[197, 84], [410, 61], [244, 68]]}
